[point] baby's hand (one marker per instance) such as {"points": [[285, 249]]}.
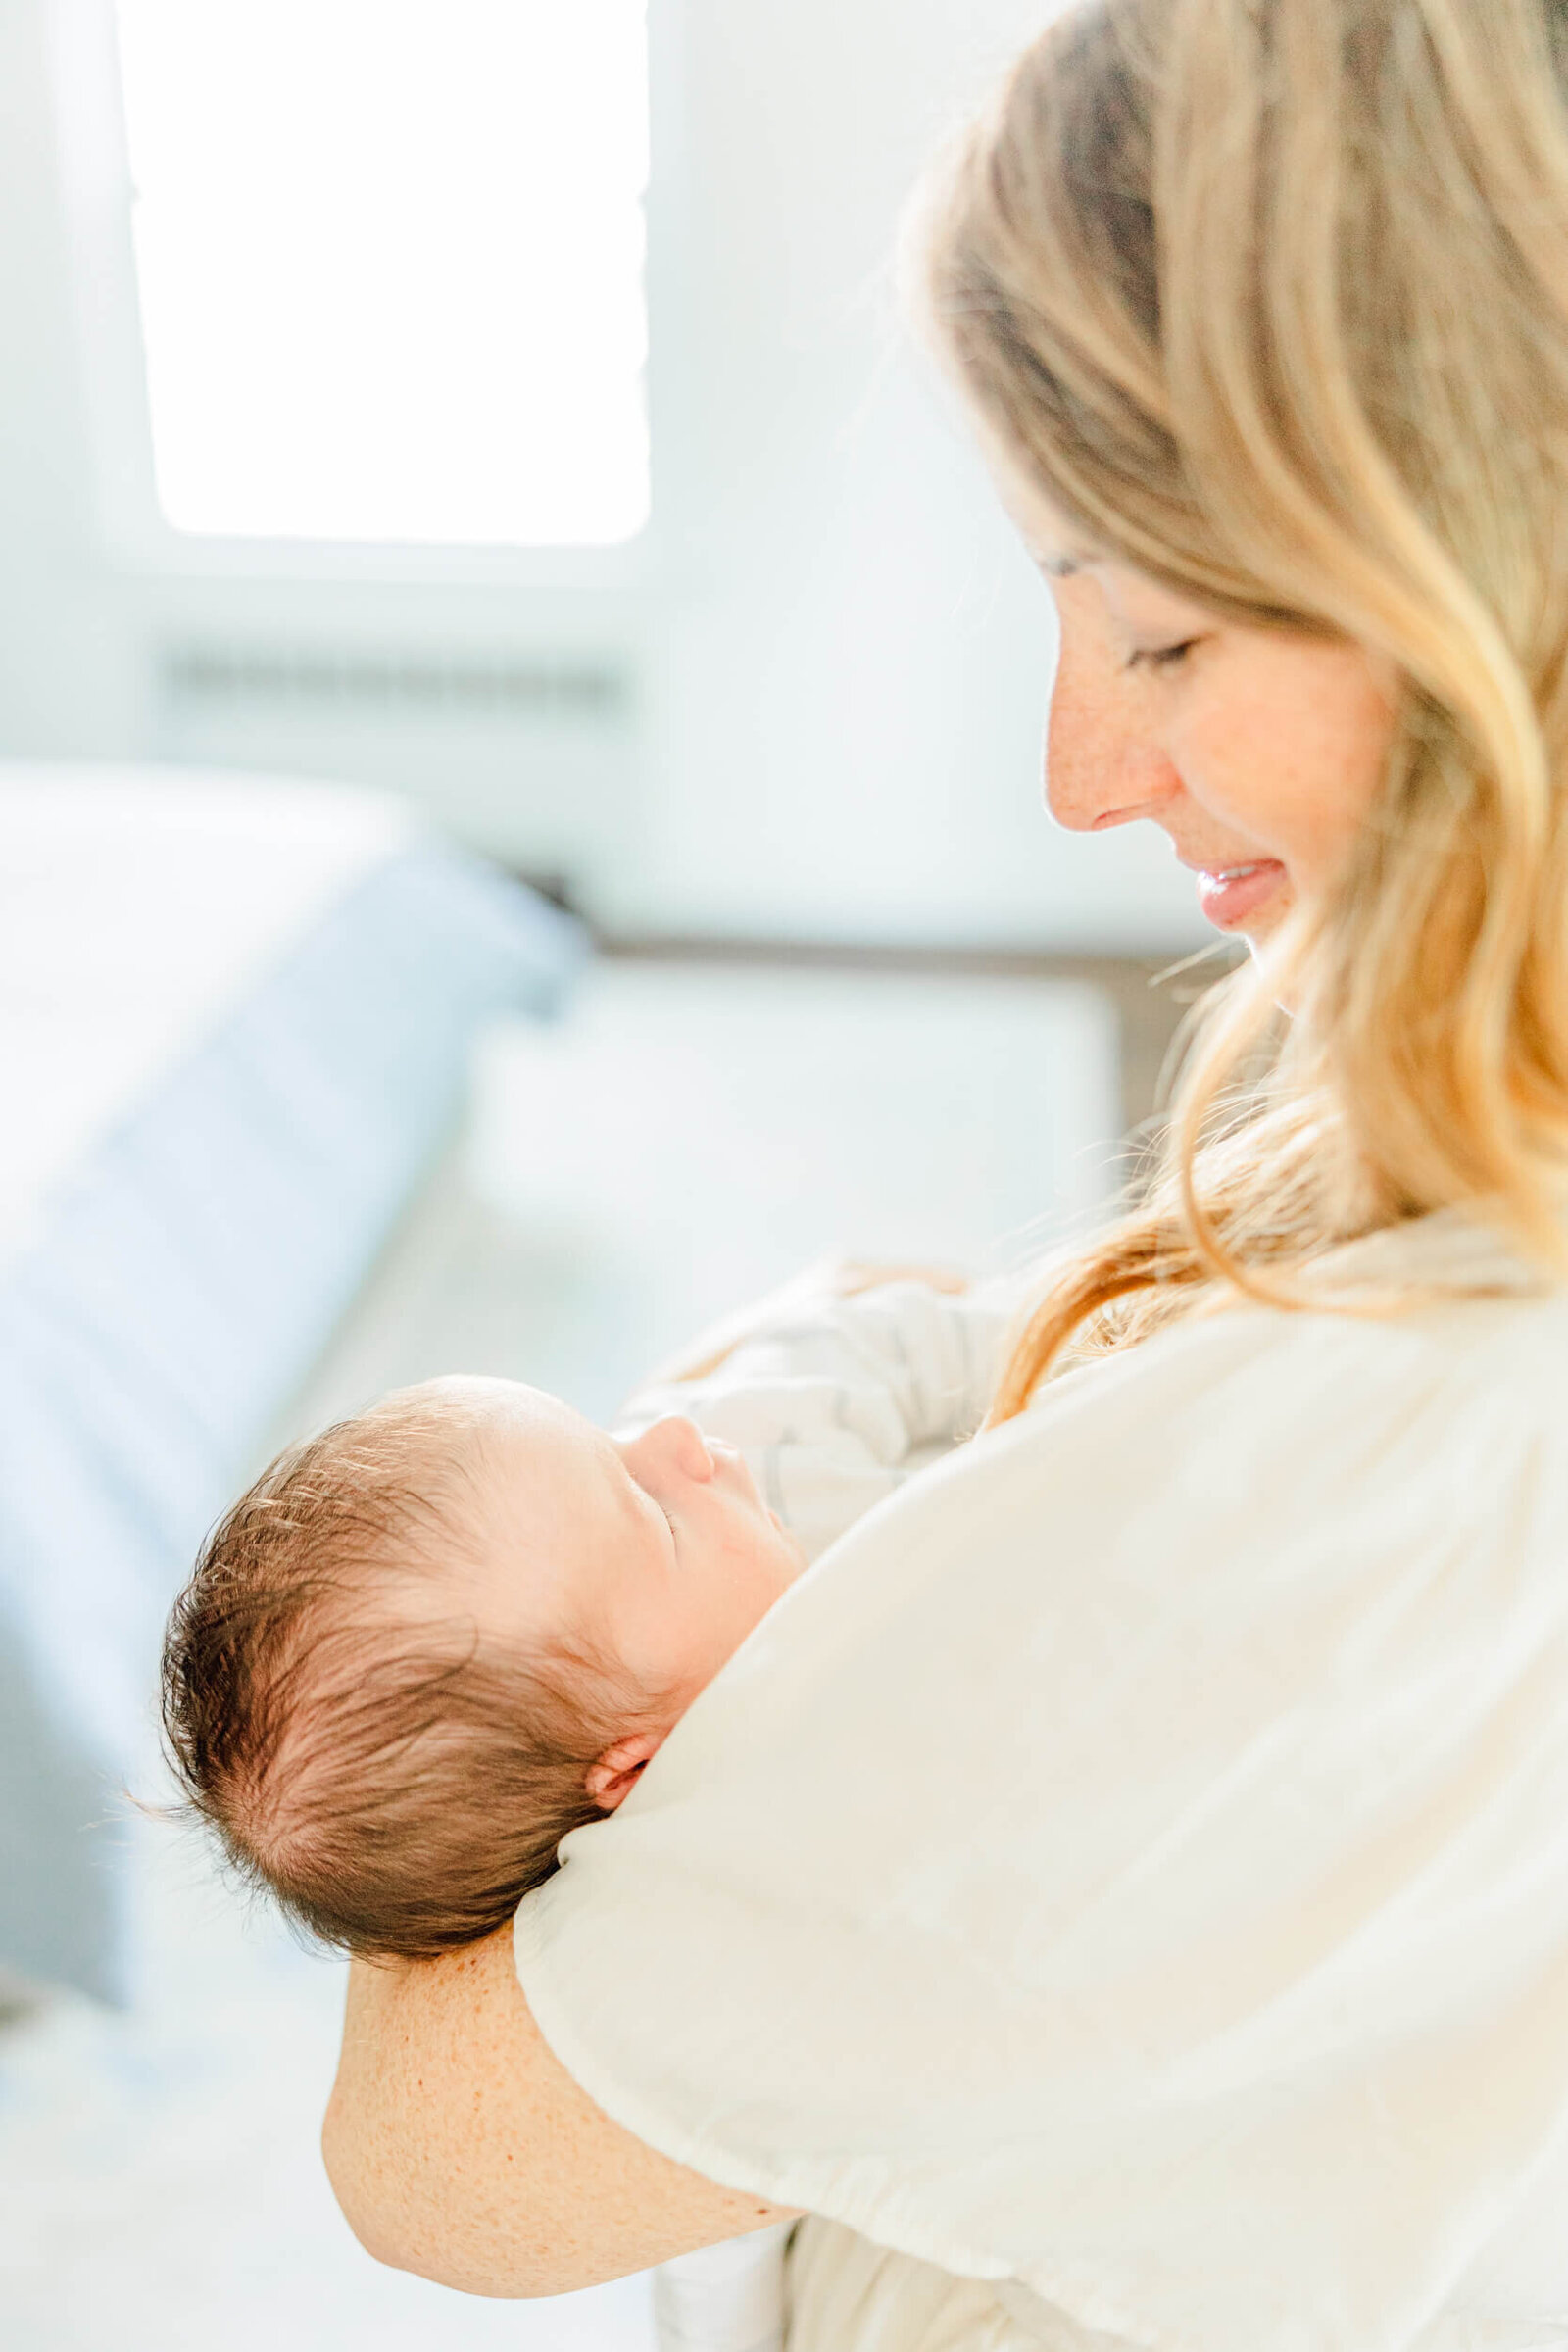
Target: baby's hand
{"points": [[805, 1294]]}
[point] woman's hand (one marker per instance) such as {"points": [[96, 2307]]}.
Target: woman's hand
{"points": [[805, 1294]]}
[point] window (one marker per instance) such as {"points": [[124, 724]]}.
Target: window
{"points": [[389, 265]]}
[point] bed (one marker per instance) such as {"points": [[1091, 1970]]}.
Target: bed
{"points": [[235, 1018]]}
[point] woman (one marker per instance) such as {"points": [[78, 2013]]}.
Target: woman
{"points": [[1123, 1894]]}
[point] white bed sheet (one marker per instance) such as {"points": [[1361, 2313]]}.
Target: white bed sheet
{"points": [[137, 905]]}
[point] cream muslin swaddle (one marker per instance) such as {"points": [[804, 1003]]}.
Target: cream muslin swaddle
{"points": [[1130, 1869]]}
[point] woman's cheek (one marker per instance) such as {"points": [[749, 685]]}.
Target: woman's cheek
{"points": [[1244, 763], [1223, 772]]}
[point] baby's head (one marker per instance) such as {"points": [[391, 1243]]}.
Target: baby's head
{"points": [[432, 1640]]}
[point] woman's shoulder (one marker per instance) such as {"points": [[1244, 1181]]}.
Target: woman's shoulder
{"points": [[1414, 1332]]}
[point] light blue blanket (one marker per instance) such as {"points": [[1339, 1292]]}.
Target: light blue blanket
{"points": [[183, 1282]]}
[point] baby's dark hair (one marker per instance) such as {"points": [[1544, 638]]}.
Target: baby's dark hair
{"points": [[398, 1798]]}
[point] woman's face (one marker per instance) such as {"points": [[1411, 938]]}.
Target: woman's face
{"points": [[1260, 751]]}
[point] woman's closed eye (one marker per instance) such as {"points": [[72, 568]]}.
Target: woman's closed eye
{"points": [[1160, 657]]}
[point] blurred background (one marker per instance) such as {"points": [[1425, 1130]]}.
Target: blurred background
{"points": [[519, 825]]}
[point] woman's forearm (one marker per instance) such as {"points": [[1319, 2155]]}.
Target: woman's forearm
{"points": [[460, 2149], [385, 2133]]}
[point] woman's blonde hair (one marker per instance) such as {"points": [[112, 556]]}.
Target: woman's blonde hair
{"points": [[1269, 298]]}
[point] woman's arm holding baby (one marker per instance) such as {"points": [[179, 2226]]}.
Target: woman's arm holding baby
{"points": [[458, 2145], [460, 2149]]}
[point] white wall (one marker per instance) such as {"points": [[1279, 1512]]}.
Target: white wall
{"points": [[843, 658], [69, 674]]}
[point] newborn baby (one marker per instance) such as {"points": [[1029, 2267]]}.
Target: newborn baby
{"points": [[432, 1640]]}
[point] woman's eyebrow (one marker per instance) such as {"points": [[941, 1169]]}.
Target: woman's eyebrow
{"points": [[1058, 567]]}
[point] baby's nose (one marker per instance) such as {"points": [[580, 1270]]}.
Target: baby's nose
{"points": [[671, 1442]]}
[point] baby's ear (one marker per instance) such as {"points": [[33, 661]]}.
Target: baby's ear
{"points": [[614, 1775]]}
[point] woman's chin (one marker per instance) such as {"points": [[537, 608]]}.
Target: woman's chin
{"points": [[1261, 928]]}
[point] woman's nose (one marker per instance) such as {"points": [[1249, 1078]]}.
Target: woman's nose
{"points": [[1102, 766]]}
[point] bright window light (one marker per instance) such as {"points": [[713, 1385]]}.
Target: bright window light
{"points": [[389, 256]]}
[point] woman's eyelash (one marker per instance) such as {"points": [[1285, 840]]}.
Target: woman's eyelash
{"points": [[1160, 657]]}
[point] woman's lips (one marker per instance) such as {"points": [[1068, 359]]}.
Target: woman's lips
{"points": [[1229, 894]]}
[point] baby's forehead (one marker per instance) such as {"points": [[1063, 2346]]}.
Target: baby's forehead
{"points": [[470, 1405], [534, 1504], [507, 1435]]}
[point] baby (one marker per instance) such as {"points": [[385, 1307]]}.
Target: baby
{"points": [[429, 1643], [433, 1639]]}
